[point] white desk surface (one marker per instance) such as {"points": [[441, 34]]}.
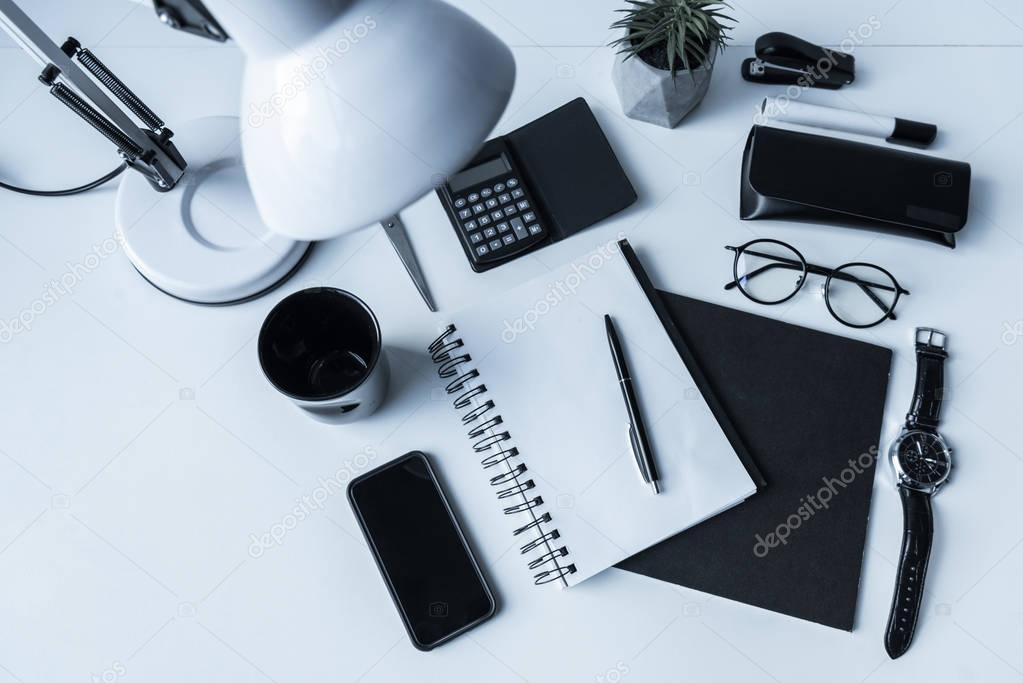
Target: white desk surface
{"points": [[140, 447]]}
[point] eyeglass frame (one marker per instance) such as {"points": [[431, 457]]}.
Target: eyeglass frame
{"points": [[810, 268]]}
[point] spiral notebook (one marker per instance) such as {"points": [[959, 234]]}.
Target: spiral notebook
{"points": [[531, 375]]}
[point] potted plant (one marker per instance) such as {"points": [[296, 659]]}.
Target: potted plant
{"points": [[665, 57]]}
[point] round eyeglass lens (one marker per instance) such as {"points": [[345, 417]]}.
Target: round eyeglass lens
{"points": [[769, 272], [861, 295]]}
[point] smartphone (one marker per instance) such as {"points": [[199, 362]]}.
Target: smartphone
{"points": [[433, 577]]}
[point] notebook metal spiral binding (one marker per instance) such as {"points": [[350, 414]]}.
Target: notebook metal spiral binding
{"points": [[513, 483]]}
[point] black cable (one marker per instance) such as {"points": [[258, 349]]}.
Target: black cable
{"points": [[65, 193]]}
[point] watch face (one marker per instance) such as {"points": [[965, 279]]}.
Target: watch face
{"points": [[922, 458]]}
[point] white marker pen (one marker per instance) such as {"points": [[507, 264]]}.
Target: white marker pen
{"points": [[894, 130]]}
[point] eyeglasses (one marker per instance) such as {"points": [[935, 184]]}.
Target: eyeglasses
{"points": [[858, 295]]}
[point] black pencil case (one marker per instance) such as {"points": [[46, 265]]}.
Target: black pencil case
{"points": [[803, 177]]}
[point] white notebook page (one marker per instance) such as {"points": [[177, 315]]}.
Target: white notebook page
{"points": [[542, 352]]}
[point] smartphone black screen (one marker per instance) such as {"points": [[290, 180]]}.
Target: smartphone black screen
{"points": [[428, 567]]}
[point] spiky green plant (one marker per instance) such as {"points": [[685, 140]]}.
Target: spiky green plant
{"points": [[689, 29]]}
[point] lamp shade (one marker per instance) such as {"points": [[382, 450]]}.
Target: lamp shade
{"points": [[353, 109]]}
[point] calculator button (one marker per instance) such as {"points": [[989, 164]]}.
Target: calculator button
{"points": [[523, 205], [491, 203], [478, 208], [518, 194], [476, 238], [490, 232], [495, 245], [504, 198], [512, 182], [503, 227], [470, 226], [509, 210], [497, 215], [484, 220], [508, 239], [529, 216], [482, 250], [460, 202], [474, 197], [520, 228], [486, 192], [465, 213], [535, 229], [499, 188]]}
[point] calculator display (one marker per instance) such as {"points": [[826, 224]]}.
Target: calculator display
{"points": [[477, 174]]}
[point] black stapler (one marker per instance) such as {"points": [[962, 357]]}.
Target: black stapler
{"points": [[783, 59]]}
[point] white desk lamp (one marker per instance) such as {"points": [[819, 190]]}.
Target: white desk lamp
{"points": [[351, 110]]}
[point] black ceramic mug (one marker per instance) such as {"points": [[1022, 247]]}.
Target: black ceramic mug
{"points": [[321, 347]]}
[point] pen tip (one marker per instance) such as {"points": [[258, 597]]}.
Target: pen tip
{"points": [[656, 487]]}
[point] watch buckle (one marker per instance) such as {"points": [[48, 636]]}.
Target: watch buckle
{"points": [[930, 337]]}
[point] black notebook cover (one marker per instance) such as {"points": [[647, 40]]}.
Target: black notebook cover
{"points": [[803, 404], [571, 168]]}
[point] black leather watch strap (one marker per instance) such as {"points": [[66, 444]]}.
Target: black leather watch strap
{"points": [[930, 380], [917, 535]]}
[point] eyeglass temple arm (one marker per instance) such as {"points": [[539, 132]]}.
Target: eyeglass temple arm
{"points": [[782, 262], [752, 274]]}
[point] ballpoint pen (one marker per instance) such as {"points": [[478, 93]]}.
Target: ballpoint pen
{"points": [[637, 432]]}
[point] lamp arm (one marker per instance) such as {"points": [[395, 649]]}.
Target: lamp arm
{"points": [[149, 152]]}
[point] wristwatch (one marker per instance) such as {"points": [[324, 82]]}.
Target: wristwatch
{"points": [[922, 461]]}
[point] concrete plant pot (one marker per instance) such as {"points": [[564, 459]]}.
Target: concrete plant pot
{"points": [[650, 94]]}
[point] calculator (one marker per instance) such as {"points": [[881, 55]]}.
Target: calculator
{"points": [[492, 209]]}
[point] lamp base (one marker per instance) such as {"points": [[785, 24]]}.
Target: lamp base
{"points": [[204, 241]]}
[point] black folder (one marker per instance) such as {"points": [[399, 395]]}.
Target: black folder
{"points": [[803, 409]]}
